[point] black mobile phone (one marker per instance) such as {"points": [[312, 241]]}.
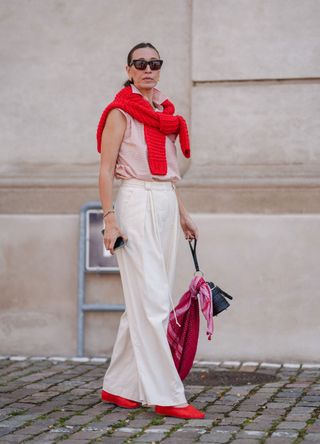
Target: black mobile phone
{"points": [[118, 243]]}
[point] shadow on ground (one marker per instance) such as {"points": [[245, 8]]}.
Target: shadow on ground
{"points": [[214, 378]]}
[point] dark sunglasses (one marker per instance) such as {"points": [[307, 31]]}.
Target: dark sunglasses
{"points": [[155, 65]]}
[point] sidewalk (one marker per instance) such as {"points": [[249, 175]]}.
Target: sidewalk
{"points": [[48, 400]]}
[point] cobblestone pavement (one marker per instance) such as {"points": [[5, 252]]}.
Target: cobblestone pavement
{"points": [[48, 400]]}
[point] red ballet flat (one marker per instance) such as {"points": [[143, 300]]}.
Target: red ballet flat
{"points": [[188, 412], [119, 400]]}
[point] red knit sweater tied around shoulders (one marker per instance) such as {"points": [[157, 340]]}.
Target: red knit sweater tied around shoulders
{"points": [[157, 125]]}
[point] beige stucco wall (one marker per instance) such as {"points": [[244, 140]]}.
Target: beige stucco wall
{"points": [[245, 74], [268, 263]]}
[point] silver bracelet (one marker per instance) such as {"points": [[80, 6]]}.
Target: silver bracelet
{"points": [[109, 211]]}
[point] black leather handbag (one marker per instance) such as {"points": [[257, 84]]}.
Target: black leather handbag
{"points": [[219, 301]]}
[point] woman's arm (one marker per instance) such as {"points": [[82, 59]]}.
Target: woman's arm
{"points": [[188, 226], [112, 136]]}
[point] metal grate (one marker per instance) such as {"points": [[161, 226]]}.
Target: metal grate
{"points": [[93, 258]]}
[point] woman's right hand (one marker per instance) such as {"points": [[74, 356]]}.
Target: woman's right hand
{"points": [[111, 232]]}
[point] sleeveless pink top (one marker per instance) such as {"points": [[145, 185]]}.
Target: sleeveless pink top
{"points": [[132, 158]]}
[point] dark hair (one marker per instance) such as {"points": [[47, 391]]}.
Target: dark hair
{"points": [[129, 58]]}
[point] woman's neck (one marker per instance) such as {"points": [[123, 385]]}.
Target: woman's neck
{"points": [[147, 94]]}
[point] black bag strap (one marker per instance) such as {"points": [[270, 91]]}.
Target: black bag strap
{"points": [[225, 294], [195, 260], [194, 254]]}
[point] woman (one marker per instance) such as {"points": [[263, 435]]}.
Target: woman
{"points": [[136, 135]]}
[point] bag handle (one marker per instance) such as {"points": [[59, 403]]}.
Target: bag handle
{"points": [[194, 254], [195, 260]]}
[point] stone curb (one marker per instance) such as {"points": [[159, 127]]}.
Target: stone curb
{"points": [[225, 364]]}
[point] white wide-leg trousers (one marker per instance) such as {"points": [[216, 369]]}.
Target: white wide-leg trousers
{"points": [[141, 366]]}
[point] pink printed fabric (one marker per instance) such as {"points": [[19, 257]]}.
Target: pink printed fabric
{"points": [[183, 339]]}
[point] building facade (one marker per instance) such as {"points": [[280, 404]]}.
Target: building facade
{"points": [[245, 74]]}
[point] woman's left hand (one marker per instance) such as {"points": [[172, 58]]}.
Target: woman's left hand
{"points": [[189, 227]]}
